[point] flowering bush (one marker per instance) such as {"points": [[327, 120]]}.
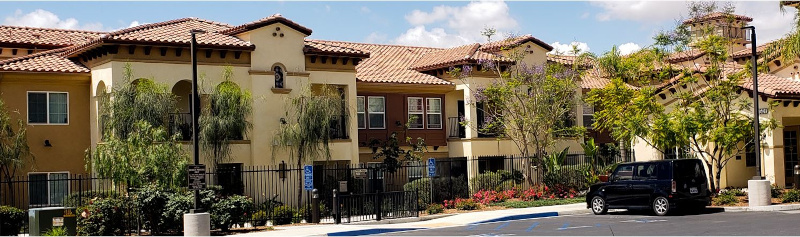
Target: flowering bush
{"points": [[467, 204]]}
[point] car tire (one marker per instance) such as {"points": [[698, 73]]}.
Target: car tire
{"points": [[598, 205], [660, 206]]}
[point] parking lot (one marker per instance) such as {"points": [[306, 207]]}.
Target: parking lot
{"points": [[711, 222]]}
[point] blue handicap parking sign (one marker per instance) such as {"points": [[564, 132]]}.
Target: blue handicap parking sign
{"points": [[431, 167], [308, 177]]}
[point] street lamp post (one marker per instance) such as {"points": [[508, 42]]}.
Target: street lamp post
{"points": [[757, 137], [196, 222]]}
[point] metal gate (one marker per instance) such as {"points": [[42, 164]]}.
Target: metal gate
{"points": [[377, 206]]}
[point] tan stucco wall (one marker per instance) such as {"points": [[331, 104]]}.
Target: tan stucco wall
{"points": [[68, 141]]}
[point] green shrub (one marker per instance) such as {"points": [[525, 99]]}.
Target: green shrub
{"points": [[435, 209], [151, 202], [792, 195], [445, 188], [736, 192], [231, 210], [775, 191], [467, 204], [78, 199], [11, 220], [306, 210], [259, 218], [283, 215], [56, 231], [101, 217], [486, 181], [177, 204], [725, 199]]}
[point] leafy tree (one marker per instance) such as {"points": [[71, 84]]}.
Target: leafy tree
{"points": [[137, 148], [391, 152], [308, 134], [710, 115], [530, 105], [14, 150], [225, 119], [786, 49]]}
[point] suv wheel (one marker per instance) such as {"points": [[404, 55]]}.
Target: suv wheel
{"points": [[599, 205], [660, 206]]}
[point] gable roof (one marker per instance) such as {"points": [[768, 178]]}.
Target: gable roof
{"points": [[683, 56], [17, 36], [495, 46], [454, 56], [276, 18], [716, 16], [320, 47], [46, 61], [389, 63]]}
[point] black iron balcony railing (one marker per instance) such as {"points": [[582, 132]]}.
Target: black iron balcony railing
{"points": [[339, 128], [181, 124]]}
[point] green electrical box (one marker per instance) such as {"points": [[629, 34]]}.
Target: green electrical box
{"points": [[40, 220]]}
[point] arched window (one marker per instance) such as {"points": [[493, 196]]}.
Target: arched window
{"points": [[278, 76]]}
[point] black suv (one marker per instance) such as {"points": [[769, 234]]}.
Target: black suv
{"points": [[658, 185]]}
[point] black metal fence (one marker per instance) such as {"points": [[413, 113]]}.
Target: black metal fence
{"points": [[367, 191]]}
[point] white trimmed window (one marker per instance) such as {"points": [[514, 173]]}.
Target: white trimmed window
{"points": [[361, 112], [416, 113], [588, 116], [434, 113], [47, 188], [376, 108], [48, 107]]}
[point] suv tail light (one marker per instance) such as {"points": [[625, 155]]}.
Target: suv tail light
{"points": [[674, 186]]}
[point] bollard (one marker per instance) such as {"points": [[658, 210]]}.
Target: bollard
{"points": [[796, 176], [337, 216], [315, 206]]}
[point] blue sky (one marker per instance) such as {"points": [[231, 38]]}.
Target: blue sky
{"points": [[595, 26]]}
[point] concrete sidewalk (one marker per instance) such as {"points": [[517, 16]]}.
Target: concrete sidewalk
{"points": [[373, 227]]}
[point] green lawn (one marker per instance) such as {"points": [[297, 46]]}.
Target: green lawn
{"points": [[540, 203]]}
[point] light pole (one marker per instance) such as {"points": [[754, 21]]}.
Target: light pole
{"points": [[757, 137], [195, 112], [196, 222]]}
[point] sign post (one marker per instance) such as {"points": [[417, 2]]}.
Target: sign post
{"points": [[431, 174], [197, 177], [308, 177]]}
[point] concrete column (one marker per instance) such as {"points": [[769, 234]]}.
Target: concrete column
{"points": [[759, 193], [196, 224]]}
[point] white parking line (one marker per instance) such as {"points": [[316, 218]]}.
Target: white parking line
{"points": [[642, 221], [573, 227]]}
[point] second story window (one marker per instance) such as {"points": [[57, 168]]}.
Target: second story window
{"points": [[278, 76], [588, 116], [434, 110], [48, 108], [376, 109], [361, 112], [416, 113]]}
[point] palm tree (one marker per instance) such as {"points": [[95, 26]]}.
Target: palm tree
{"points": [[307, 133]]}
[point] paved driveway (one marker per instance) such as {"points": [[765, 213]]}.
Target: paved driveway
{"points": [[632, 223]]}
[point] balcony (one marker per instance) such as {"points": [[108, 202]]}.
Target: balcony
{"points": [[181, 124], [455, 128], [338, 128]]}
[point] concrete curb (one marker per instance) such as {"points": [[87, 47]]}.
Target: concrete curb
{"points": [[788, 207], [533, 215], [401, 220]]}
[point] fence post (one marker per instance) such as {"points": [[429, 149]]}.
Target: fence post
{"points": [[337, 215], [315, 206], [416, 202], [378, 205], [80, 190]]}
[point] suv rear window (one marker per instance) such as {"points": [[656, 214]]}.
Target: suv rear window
{"points": [[689, 169]]}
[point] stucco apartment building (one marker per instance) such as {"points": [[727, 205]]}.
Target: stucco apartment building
{"points": [[52, 79], [781, 84]]}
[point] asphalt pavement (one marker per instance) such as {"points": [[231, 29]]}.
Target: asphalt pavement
{"points": [[710, 222]]}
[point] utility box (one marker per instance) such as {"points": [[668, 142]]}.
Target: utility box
{"points": [[40, 220]]}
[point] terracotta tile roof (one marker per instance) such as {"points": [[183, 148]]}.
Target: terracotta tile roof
{"points": [[389, 63], [773, 85], [43, 37], [276, 18], [514, 41], [177, 32], [592, 79], [454, 56], [727, 68], [47, 61], [747, 52], [683, 56], [319, 47], [568, 60], [716, 16]]}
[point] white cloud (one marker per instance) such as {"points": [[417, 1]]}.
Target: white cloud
{"points": [[376, 38], [628, 48], [447, 26], [45, 19], [770, 23], [365, 9], [567, 49], [585, 15], [327, 8]]}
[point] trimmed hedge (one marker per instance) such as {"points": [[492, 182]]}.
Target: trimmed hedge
{"points": [[11, 220]]}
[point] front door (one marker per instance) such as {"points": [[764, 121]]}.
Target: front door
{"points": [[789, 153]]}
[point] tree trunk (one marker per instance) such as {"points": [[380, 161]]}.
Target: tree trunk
{"points": [[710, 178]]}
